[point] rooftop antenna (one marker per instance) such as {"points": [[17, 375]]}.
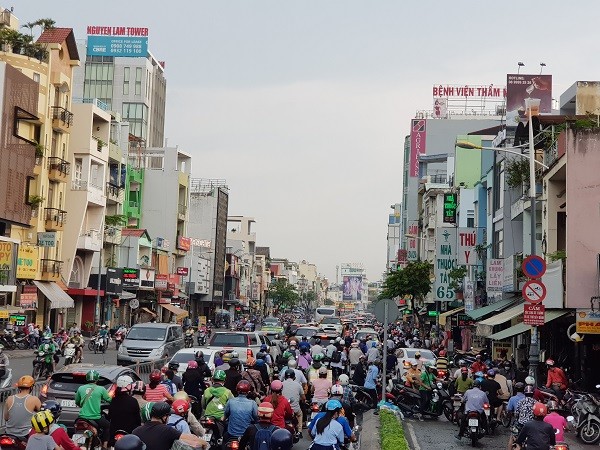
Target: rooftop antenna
{"points": [[542, 65], [520, 64]]}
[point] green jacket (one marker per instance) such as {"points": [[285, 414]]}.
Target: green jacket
{"points": [[214, 401], [89, 397], [49, 350]]}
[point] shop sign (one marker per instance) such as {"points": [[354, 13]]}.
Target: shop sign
{"points": [[534, 315], [182, 271], [29, 296], [495, 275], [161, 281], [450, 207], [464, 320], [445, 261], [131, 278], [27, 262], [184, 243], [587, 321], [114, 281], [17, 319]]}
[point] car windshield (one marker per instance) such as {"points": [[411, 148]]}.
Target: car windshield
{"points": [[70, 382], [183, 357], [332, 320], [308, 332], [425, 354], [271, 321], [325, 311], [146, 334], [363, 335], [229, 340]]}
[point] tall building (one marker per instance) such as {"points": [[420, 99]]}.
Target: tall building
{"points": [[394, 238]]}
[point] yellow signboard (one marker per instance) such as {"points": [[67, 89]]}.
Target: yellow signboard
{"points": [[587, 321], [3, 314], [6, 249], [27, 263]]}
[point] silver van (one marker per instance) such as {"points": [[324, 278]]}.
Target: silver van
{"points": [[149, 342]]}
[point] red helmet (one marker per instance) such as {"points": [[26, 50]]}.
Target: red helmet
{"points": [[181, 407], [549, 362], [276, 386], [192, 365], [155, 375], [540, 410], [442, 353], [243, 387]]}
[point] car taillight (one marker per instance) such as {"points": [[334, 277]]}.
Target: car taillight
{"points": [[234, 445], [112, 390], [6, 441], [556, 447]]}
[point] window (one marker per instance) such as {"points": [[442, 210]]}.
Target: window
{"points": [[498, 244], [126, 81], [138, 81], [36, 77]]}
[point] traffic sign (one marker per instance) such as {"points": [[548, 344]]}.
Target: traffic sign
{"points": [[534, 291], [534, 266], [386, 311], [134, 303], [534, 315]]}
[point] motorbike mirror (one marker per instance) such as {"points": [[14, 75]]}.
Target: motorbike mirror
{"points": [[570, 419], [357, 429]]}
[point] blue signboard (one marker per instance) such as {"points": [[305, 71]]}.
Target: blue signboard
{"points": [[117, 46]]}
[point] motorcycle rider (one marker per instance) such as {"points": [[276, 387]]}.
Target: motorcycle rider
{"points": [[458, 372], [250, 436], [354, 355], [493, 390], [138, 389], [558, 422], [40, 440], [463, 383], [348, 396], [78, 342], [413, 375], [215, 399], [511, 407], [177, 381], [124, 410], [300, 377], [282, 408], [179, 414], [341, 419], [328, 433], [241, 412], [233, 375], [56, 431], [193, 381], [103, 334], [254, 377], [474, 399], [155, 390], [539, 435], [49, 349], [4, 362], [556, 379], [19, 408], [478, 365], [264, 354], [194, 424], [523, 411], [189, 337], [317, 348], [292, 390], [320, 387], [89, 398], [426, 384]]}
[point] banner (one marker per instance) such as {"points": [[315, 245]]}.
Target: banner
{"points": [[29, 296], [418, 139], [508, 279], [467, 240], [27, 262], [114, 281], [352, 288], [412, 242], [495, 275], [520, 87], [553, 279], [445, 261]]}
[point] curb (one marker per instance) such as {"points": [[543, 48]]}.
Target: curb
{"points": [[369, 436]]}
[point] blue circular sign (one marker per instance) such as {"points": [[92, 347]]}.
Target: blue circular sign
{"points": [[534, 266]]}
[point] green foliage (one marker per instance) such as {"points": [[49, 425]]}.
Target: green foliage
{"points": [[35, 200], [559, 254], [413, 280], [456, 277], [517, 172], [391, 432], [116, 220], [283, 294]]}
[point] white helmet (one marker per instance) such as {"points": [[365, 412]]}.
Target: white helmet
{"points": [[337, 389], [292, 364], [103, 326], [530, 381], [124, 381], [344, 379]]}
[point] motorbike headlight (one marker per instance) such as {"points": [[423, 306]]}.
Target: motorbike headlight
{"points": [[440, 385]]}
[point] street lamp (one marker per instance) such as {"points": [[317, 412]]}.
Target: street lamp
{"points": [[471, 146], [534, 350]]}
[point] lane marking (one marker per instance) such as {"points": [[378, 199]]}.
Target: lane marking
{"points": [[413, 436]]}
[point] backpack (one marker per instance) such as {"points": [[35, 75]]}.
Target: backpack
{"points": [[336, 356], [262, 439]]}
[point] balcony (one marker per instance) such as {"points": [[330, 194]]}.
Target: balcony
{"points": [[58, 169], [62, 119], [114, 194], [55, 219], [50, 269], [37, 169], [112, 235], [181, 212], [90, 240]]}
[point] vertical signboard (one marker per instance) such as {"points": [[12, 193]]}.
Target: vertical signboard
{"points": [[445, 261], [508, 279], [495, 275], [27, 262], [519, 88], [469, 295], [418, 137], [114, 281], [6, 261], [450, 208], [411, 242], [352, 288], [29, 296], [467, 240]]}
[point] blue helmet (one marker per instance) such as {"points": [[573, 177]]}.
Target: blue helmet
{"points": [[332, 405], [263, 348], [259, 363], [281, 439]]}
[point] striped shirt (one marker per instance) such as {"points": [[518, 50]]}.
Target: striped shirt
{"points": [[158, 394]]}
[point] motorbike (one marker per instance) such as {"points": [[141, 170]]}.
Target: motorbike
{"points": [[489, 420], [10, 442], [213, 433], [6, 339], [475, 428], [69, 353], [456, 408], [41, 368], [119, 339], [97, 344], [201, 338], [314, 410], [21, 341], [87, 435], [352, 444], [189, 339], [363, 397], [586, 418], [118, 435], [6, 381]]}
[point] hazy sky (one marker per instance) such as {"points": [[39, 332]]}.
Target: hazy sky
{"points": [[303, 105]]}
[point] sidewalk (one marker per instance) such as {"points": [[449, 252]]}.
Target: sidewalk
{"points": [[369, 437]]}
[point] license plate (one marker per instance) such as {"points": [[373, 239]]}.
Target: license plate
{"points": [[79, 439], [473, 422], [68, 404], [207, 437]]}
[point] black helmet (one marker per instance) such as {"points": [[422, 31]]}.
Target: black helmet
{"points": [[290, 374], [200, 355], [281, 439], [529, 391], [53, 407], [130, 442], [477, 382], [160, 409], [519, 386], [173, 365], [235, 363]]}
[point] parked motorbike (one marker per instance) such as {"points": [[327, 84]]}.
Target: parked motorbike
{"points": [[69, 353], [586, 418], [41, 368], [6, 339], [10, 442], [22, 342]]}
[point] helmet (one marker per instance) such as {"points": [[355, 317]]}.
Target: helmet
{"points": [[290, 374], [200, 355], [287, 354], [160, 409], [477, 382], [292, 363], [219, 375], [479, 374], [41, 420], [540, 410], [477, 356], [550, 362], [53, 407], [552, 405], [491, 373], [138, 388], [181, 395], [124, 381], [464, 370], [530, 381], [281, 439], [155, 375], [322, 371], [243, 387], [428, 364], [344, 379], [529, 390], [146, 411], [265, 409], [93, 376], [259, 363], [442, 353], [333, 405], [174, 365], [103, 326], [192, 365], [337, 389], [25, 382], [318, 357], [181, 407], [332, 341], [407, 364], [263, 348], [462, 362], [234, 363], [130, 442], [519, 386], [276, 386]]}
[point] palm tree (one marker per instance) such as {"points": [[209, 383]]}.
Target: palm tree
{"points": [[46, 24], [30, 25]]}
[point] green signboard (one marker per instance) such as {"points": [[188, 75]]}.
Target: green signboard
{"points": [[17, 319], [432, 313], [450, 207]]}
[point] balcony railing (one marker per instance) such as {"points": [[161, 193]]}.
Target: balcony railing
{"points": [[51, 266], [112, 191], [63, 115], [60, 165], [133, 204], [55, 215], [79, 185]]}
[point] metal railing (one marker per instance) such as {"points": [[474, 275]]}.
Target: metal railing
{"points": [[59, 164], [7, 392], [63, 115], [58, 216], [144, 369], [51, 266], [113, 191], [79, 185]]}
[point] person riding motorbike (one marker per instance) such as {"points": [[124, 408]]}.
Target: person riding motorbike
{"points": [[193, 381], [282, 408], [493, 390], [202, 366], [413, 375], [523, 412], [179, 414], [233, 375], [56, 431], [463, 383], [241, 412], [40, 439], [537, 434], [478, 365], [19, 408], [155, 391], [348, 396], [317, 348], [103, 334], [177, 381], [327, 432], [293, 391], [474, 399], [78, 342], [260, 433], [89, 398], [320, 387], [426, 384], [138, 389], [191, 419], [124, 410], [215, 399], [48, 348], [337, 393], [130, 442], [341, 419], [556, 379]]}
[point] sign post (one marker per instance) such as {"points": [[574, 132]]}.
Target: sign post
{"points": [[386, 311]]}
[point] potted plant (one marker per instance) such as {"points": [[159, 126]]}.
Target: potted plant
{"points": [[457, 276], [35, 201]]}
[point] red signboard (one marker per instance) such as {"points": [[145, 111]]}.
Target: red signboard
{"points": [[534, 314], [182, 271], [418, 137], [28, 297], [184, 243]]}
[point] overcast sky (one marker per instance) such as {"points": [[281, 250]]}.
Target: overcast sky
{"points": [[303, 105]]}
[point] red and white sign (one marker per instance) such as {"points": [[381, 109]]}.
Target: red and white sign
{"points": [[182, 271], [534, 315], [534, 291], [418, 139], [411, 242], [467, 240], [160, 281], [469, 91]]}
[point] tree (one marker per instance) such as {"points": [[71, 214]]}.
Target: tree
{"points": [[413, 280], [283, 294], [307, 301]]}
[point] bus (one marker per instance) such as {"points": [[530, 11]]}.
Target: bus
{"points": [[325, 311]]}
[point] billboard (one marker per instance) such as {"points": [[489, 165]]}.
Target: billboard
{"points": [[467, 241], [352, 288], [440, 108], [418, 140], [27, 262], [117, 41], [114, 281], [450, 206], [520, 87], [445, 261]]}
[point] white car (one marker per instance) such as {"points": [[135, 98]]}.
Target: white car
{"points": [[329, 324], [186, 355], [408, 354]]}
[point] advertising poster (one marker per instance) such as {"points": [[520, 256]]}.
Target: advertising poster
{"points": [[114, 280], [27, 263], [352, 288], [587, 321], [418, 139], [440, 108], [520, 87], [445, 261], [29, 296], [495, 275], [117, 41]]}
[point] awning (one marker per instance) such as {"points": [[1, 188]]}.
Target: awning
{"points": [[126, 295], [146, 310], [445, 315], [182, 295], [504, 316], [58, 298], [179, 313], [489, 309], [522, 327]]}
